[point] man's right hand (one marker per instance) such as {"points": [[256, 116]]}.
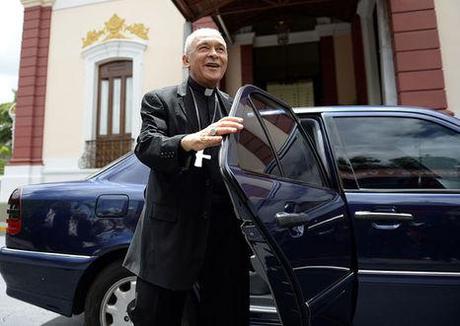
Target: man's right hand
{"points": [[203, 139]]}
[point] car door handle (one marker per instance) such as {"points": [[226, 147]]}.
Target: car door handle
{"points": [[386, 227], [289, 220], [383, 216]]}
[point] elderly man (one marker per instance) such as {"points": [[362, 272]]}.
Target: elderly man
{"points": [[188, 233]]}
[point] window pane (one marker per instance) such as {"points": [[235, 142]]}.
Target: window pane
{"points": [[104, 107], [116, 106], [401, 153], [296, 94], [253, 152], [135, 173], [313, 129], [297, 159], [128, 104]]}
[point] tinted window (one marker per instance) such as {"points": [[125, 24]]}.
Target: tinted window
{"points": [[399, 153], [296, 157], [133, 172], [253, 152], [313, 129]]}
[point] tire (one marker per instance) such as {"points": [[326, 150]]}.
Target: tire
{"points": [[111, 292], [103, 296]]}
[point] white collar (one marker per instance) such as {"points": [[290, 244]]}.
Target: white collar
{"points": [[208, 91]]}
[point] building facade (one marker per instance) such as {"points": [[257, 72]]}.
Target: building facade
{"points": [[85, 65]]}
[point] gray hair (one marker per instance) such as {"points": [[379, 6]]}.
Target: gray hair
{"points": [[199, 33]]}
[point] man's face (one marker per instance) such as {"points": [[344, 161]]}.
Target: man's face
{"points": [[207, 60]]}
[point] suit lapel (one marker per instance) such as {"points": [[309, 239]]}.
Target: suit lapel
{"points": [[190, 121], [181, 92]]}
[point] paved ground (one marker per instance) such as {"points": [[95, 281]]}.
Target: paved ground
{"points": [[17, 313], [3, 214]]}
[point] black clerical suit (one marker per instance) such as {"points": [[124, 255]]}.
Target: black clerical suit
{"points": [[188, 233]]}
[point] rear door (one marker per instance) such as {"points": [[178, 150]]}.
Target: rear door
{"points": [[401, 174], [293, 217]]}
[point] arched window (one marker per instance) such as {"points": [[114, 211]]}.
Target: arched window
{"points": [[113, 90]]}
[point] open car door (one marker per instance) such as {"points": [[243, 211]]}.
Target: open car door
{"points": [[294, 219]]}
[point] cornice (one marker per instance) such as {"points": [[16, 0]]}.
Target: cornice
{"points": [[36, 3], [66, 4]]}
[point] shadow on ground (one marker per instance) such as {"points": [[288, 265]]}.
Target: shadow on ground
{"points": [[65, 321]]}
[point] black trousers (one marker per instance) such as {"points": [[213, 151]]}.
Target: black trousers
{"points": [[222, 290]]}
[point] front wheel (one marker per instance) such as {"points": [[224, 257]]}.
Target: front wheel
{"points": [[111, 292]]}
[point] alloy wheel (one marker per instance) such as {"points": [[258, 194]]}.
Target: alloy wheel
{"points": [[116, 300]]}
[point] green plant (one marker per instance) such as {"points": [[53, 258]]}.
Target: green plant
{"points": [[5, 134]]}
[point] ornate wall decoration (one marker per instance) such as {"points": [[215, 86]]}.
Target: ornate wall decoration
{"points": [[115, 28]]}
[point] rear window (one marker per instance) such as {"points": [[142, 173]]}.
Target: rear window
{"points": [[126, 169], [134, 173]]}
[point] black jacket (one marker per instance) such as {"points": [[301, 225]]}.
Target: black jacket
{"points": [[169, 243]]}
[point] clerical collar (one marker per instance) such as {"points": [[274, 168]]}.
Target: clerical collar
{"points": [[200, 89]]}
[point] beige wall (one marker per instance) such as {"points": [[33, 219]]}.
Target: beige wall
{"points": [[233, 76], [64, 122], [448, 17], [346, 90]]}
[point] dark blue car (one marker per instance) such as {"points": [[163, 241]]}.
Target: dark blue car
{"points": [[352, 215]]}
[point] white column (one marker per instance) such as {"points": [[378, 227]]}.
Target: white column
{"points": [[19, 175], [365, 10], [388, 76], [187, 31]]}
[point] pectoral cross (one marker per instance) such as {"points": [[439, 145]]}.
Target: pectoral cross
{"points": [[199, 156]]}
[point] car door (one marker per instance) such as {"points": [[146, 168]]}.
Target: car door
{"points": [[401, 174], [294, 219]]}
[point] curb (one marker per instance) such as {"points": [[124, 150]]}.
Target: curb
{"points": [[2, 227]]}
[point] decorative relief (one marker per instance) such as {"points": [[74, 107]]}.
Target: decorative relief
{"points": [[92, 37], [115, 28], [138, 29]]}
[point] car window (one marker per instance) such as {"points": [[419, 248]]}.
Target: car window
{"points": [[398, 153], [134, 172], [296, 156], [253, 152], [313, 129], [109, 166]]}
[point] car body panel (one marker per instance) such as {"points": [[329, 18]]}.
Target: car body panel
{"points": [[408, 248], [61, 217], [48, 280]]}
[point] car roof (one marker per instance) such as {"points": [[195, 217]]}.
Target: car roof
{"points": [[370, 109]]}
